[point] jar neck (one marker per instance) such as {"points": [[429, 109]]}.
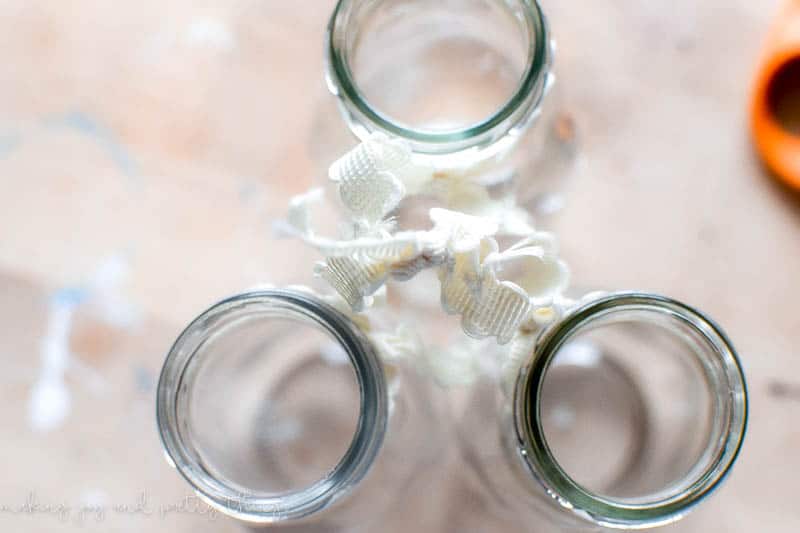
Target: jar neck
{"points": [[488, 137], [721, 371], [179, 376]]}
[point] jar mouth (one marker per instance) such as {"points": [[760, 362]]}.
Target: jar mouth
{"points": [[722, 447], [512, 116], [246, 503]]}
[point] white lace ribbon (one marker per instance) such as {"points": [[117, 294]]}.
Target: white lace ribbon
{"points": [[493, 291]]}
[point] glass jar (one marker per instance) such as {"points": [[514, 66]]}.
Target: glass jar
{"points": [[627, 413], [461, 82], [455, 78], [277, 410]]}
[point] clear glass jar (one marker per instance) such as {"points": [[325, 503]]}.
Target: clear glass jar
{"points": [[627, 414], [461, 78], [277, 410]]}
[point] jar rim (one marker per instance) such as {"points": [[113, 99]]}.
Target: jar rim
{"points": [[517, 109], [353, 465], [542, 463]]}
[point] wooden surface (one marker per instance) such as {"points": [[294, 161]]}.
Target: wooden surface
{"points": [[172, 133]]}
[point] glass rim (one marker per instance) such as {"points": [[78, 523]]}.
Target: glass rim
{"points": [[351, 467], [603, 510], [524, 98]]}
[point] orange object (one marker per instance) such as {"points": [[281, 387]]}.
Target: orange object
{"points": [[775, 111]]}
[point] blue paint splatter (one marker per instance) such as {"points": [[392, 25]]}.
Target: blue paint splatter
{"points": [[84, 123], [144, 379], [8, 143], [72, 296]]}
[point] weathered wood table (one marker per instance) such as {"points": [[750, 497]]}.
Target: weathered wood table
{"points": [[170, 134]]}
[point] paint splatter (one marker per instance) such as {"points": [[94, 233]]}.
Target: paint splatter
{"points": [[144, 379], [50, 399], [8, 143], [85, 124], [209, 32]]}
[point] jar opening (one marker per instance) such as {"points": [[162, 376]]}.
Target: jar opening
{"points": [[632, 411], [272, 405], [445, 76]]}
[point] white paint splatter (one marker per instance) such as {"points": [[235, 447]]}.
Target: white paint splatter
{"points": [[106, 299], [49, 405], [50, 399], [209, 32]]}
